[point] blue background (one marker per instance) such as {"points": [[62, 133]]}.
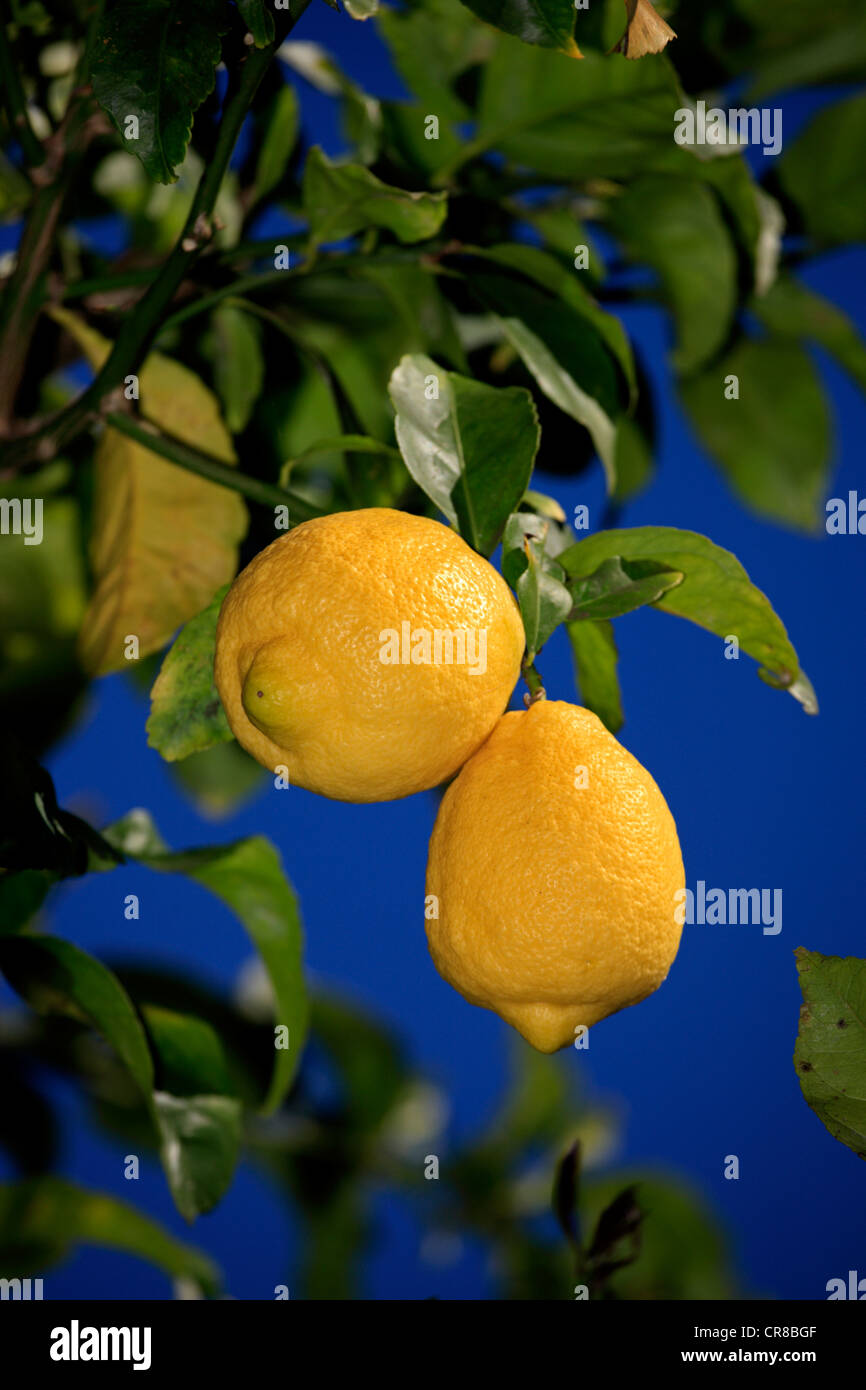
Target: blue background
{"points": [[763, 797]]}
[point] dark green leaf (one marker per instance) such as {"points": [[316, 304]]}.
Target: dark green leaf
{"points": [[341, 199], [716, 593], [185, 711], [55, 977], [35, 833], [773, 443], [259, 20], [674, 225], [822, 172], [21, 896], [595, 655], [830, 1054], [191, 1059], [432, 44], [45, 1217], [619, 586], [469, 446], [156, 61], [238, 363], [546, 22], [280, 121]]}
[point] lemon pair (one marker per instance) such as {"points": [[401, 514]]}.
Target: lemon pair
{"points": [[372, 654]]}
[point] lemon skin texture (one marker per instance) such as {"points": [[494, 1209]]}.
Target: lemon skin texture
{"points": [[556, 900], [299, 645]]}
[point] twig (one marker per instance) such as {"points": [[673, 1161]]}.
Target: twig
{"points": [[206, 466], [141, 327]]}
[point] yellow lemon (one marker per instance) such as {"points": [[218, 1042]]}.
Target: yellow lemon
{"points": [[369, 652], [557, 873]]}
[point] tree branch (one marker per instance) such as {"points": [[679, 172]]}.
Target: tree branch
{"points": [[206, 466], [142, 325], [13, 96]]}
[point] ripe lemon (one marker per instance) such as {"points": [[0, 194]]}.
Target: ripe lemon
{"points": [[555, 865], [369, 652]]}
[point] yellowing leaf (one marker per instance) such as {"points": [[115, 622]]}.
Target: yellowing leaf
{"points": [[162, 539], [645, 32]]}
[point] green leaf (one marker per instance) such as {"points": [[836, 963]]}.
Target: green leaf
{"points": [[42, 1218], [21, 896], [674, 225], [593, 647], [280, 122], [431, 45], [191, 1059], [620, 586], [55, 977], [773, 443], [219, 779], [186, 715], [238, 364], [259, 21], [790, 310], [356, 443], [830, 1053], [199, 1143], [36, 833], [156, 61], [342, 199], [537, 579], [822, 172], [549, 23], [469, 446], [716, 593], [248, 876]]}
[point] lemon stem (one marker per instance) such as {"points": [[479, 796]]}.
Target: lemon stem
{"points": [[533, 681]]}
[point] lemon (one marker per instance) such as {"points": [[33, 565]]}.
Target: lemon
{"points": [[555, 867], [369, 653]]}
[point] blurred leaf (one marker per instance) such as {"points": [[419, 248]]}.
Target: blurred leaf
{"points": [[595, 655], [537, 579], [469, 446], [566, 1185], [29, 1131], [219, 779], [716, 593], [41, 1219], [257, 16], [361, 9], [248, 876], [163, 539], [830, 1054], [35, 833], [200, 1140], [186, 715], [814, 44], [790, 310], [370, 1066], [357, 443], [773, 442], [54, 976], [191, 1059], [674, 225], [238, 364], [821, 172], [341, 199], [619, 586], [546, 22], [682, 1255], [156, 61], [21, 896], [432, 45], [281, 123], [633, 458]]}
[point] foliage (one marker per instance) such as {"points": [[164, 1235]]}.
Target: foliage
{"points": [[478, 237]]}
